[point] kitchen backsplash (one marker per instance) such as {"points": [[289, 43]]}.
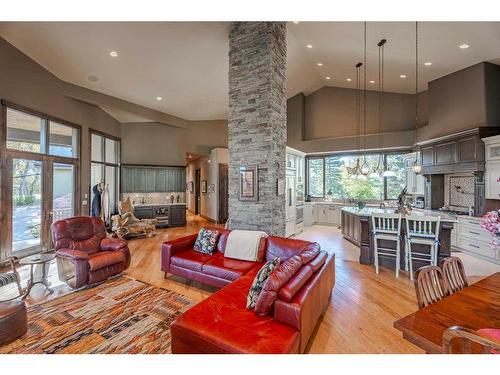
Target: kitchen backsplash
{"points": [[459, 191], [154, 198]]}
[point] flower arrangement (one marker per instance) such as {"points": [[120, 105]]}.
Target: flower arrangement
{"points": [[491, 222]]}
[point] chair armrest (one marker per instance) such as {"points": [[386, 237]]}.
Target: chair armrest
{"points": [[11, 261], [72, 254], [170, 248], [113, 244]]}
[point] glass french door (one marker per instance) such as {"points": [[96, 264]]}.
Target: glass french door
{"points": [[41, 191]]}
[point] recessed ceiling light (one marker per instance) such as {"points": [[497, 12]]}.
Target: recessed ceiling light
{"points": [[348, 79], [428, 63], [328, 77], [296, 22], [463, 46], [319, 64], [159, 98], [113, 54], [402, 76], [309, 46], [372, 81]]}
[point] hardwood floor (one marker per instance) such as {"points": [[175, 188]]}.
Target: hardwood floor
{"points": [[358, 320]]}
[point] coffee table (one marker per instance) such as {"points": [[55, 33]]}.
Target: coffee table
{"points": [[42, 259]]}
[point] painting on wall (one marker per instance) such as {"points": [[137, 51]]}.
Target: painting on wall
{"points": [[248, 183], [190, 186], [203, 186]]}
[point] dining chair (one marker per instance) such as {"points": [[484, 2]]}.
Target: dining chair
{"points": [[10, 277], [386, 227], [454, 273], [482, 337], [422, 230], [430, 285]]}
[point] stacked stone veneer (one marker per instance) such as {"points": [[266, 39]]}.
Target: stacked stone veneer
{"points": [[257, 121]]}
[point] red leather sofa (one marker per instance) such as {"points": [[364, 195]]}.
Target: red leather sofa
{"points": [[84, 254], [222, 324]]}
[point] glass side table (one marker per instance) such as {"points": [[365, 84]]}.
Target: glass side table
{"points": [[43, 259]]}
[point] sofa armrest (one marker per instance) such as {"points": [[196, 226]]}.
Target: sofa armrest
{"points": [[306, 307], [113, 244], [72, 254], [170, 248], [72, 267]]}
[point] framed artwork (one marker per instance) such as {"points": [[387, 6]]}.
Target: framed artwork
{"points": [[190, 186], [248, 183], [203, 186]]}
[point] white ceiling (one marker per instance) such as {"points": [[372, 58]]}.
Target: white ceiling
{"points": [[186, 62]]}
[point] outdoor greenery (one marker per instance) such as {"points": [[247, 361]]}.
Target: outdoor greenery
{"points": [[26, 176], [338, 184]]}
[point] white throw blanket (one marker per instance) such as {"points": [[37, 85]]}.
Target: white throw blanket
{"points": [[243, 244]]}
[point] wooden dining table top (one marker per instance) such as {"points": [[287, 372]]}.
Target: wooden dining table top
{"points": [[476, 306]]}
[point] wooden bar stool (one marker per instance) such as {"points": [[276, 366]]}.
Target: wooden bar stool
{"points": [[423, 230], [386, 227]]}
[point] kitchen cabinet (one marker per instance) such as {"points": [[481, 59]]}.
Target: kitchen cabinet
{"points": [[175, 214], [492, 175], [146, 179], [327, 214], [309, 219], [474, 240], [351, 227]]}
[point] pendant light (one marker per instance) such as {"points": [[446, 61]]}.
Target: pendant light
{"points": [[379, 169], [365, 169], [355, 171], [417, 168], [387, 171]]}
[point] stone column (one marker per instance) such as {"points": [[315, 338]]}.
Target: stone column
{"points": [[257, 122]]}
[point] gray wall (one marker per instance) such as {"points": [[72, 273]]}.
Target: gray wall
{"points": [[325, 121], [24, 82], [154, 143]]}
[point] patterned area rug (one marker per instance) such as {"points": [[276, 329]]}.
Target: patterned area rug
{"points": [[121, 316]]}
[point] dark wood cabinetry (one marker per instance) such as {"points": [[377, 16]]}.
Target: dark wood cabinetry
{"points": [[172, 215], [152, 179], [351, 227]]}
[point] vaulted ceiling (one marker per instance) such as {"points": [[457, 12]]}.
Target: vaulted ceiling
{"points": [[186, 63]]}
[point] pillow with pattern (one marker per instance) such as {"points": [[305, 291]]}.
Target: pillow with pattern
{"points": [[206, 241], [259, 281]]}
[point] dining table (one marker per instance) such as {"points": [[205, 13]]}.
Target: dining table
{"points": [[476, 306]]}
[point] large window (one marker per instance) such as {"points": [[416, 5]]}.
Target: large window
{"points": [[327, 176], [105, 169]]}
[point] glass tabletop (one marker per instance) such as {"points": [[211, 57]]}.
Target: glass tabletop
{"points": [[38, 258]]}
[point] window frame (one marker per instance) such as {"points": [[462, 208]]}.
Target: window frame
{"points": [[105, 164], [325, 156], [44, 131]]}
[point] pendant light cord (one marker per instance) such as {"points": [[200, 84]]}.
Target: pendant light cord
{"points": [[416, 82], [364, 89]]}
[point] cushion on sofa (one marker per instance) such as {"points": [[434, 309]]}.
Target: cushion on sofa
{"points": [[284, 248], [276, 280], [293, 285], [222, 324], [317, 262], [105, 259], [260, 279], [190, 259], [206, 241], [226, 268], [312, 250]]}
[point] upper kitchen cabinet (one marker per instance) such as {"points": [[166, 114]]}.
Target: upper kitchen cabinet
{"points": [[456, 153], [492, 177], [144, 179]]}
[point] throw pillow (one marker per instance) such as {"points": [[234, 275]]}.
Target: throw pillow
{"points": [[276, 280], [259, 281], [206, 241]]}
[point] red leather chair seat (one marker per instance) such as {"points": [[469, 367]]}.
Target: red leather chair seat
{"points": [[190, 259], [105, 259], [222, 324], [227, 268]]}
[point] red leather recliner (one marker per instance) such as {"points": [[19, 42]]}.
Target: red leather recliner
{"points": [[84, 254]]}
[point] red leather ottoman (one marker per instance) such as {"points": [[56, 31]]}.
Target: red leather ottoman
{"points": [[222, 324]]}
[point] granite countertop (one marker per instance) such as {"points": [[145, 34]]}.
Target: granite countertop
{"points": [[159, 204], [368, 211]]}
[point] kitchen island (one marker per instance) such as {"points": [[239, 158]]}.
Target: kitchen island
{"points": [[357, 228]]}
